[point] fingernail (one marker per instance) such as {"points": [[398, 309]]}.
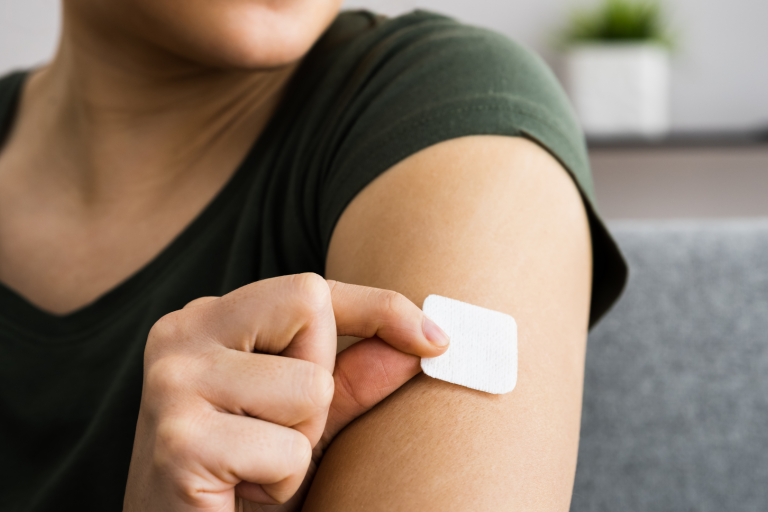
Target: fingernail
{"points": [[434, 333]]}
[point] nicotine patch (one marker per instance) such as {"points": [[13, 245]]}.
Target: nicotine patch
{"points": [[483, 350]]}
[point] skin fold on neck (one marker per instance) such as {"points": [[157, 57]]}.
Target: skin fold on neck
{"points": [[133, 115], [117, 145]]}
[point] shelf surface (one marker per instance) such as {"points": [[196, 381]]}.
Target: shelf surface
{"points": [[681, 182]]}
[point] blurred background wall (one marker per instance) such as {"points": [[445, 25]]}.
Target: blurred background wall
{"points": [[720, 69]]}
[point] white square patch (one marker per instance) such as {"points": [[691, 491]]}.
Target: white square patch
{"points": [[483, 350]]}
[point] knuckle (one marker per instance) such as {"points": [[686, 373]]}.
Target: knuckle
{"points": [[319, 388], [313, 292], [175, 443], [299, 452], [166, 329], [199, 302], [167, 333], [168, 376], [394, 303]]}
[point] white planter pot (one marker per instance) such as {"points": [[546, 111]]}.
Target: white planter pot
{"points": [[620, 90]]}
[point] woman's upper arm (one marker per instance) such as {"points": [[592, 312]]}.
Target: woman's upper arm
{"points": [[497, 222]]}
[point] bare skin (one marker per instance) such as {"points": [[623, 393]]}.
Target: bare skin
{"points": [[218, 420], [109, 167], [496, 222], [110, 163]]}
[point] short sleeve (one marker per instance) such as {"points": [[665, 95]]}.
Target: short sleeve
{"points": [[425, 78]]}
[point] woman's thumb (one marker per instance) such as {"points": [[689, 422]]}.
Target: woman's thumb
{"points": [[365, 374]]}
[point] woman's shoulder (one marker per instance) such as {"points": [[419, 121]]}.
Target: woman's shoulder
{"points": [[428, 64], [411, 35], [396, 86], [413, 25], [393, 86]]}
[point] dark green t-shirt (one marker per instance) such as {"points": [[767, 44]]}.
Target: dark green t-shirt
{"points": [[370, 93]]}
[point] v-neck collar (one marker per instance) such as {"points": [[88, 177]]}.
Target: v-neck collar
{"points": [[20, 314]]}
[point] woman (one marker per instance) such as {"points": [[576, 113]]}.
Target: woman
{"points": [[175, 156]]}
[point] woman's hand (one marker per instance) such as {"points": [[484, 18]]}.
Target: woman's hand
{"points": [[237, 389]]}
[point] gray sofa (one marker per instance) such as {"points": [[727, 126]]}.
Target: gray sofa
{"points": [[675, 413]]}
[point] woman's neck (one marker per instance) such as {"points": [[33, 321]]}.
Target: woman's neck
{"points": [[123, 115], [114, 151]]}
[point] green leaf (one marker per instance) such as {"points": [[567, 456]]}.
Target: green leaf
{"points": [[618, 21]]}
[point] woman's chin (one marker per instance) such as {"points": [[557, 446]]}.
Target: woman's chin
{"points": [[246, 38], [252, 51]]}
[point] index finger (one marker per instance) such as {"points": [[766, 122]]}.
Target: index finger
{"points": [[367, 312]]}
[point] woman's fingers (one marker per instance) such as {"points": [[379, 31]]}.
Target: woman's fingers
{"points": [[300, 316], [290, 315], [367, 312], [199, 302], [227, 449], [366, 373], [285, 391], [216, 417]]}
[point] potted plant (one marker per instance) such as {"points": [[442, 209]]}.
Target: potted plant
{"points": [[617, 68]]}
